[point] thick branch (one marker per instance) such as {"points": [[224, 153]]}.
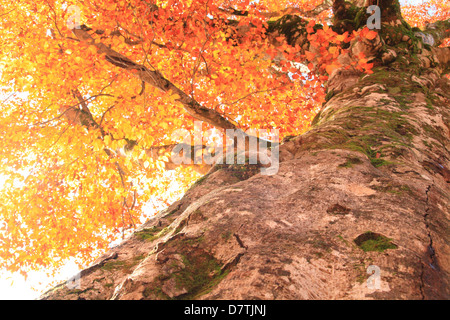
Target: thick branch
{"points": [[156, 79]]}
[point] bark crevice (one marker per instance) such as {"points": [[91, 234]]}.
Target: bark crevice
{"points": [[431, 250]]}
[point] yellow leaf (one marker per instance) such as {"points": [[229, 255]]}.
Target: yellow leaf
{"points": [[107, 140]]}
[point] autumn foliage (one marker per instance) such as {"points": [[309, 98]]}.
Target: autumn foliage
{"points": [[71, 187]]}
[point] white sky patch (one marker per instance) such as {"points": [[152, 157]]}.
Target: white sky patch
{"points": [[15, 287]]}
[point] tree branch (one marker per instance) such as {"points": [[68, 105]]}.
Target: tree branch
{"points": [[82, 116], [156, 79]]}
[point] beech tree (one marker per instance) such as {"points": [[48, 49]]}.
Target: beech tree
{"points": [[95, 96]]}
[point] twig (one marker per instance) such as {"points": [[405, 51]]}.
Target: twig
{"points": [[125, 204]]}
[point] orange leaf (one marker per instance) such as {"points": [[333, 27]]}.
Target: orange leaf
{"points": [[330, 68], [371, 35], [310, 55]]}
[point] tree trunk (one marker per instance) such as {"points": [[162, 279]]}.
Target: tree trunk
{"points": [[366, 186]]}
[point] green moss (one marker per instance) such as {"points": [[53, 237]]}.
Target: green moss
{"points": [[365, 148], [432, 132], [196, 274], [429, 103], [288, 138], [361, 278], [371, 241], [362, 144], [243, 171], [379, 162], [379, 75], [350, 162], [340, 237], [155, 291], [197, 215], [329, 95], [200, 180], [98, 279], [316, 119], [404, 100], [180, 226], [349, 17], [401, 189], [337, 135], [139, 257], [226, 235], [151, 234], [191, 242], [394, 35], [112, 265], [337, 209], [360, 17], [200, 275], [171, 213], [321, 243], [79, 291], [393, 81], [124, 265], [378, 133], [394, 90], [360, 270], [377, 245], [377, 124]]}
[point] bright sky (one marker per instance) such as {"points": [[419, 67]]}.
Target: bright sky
{"points": [[15, 287]]}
